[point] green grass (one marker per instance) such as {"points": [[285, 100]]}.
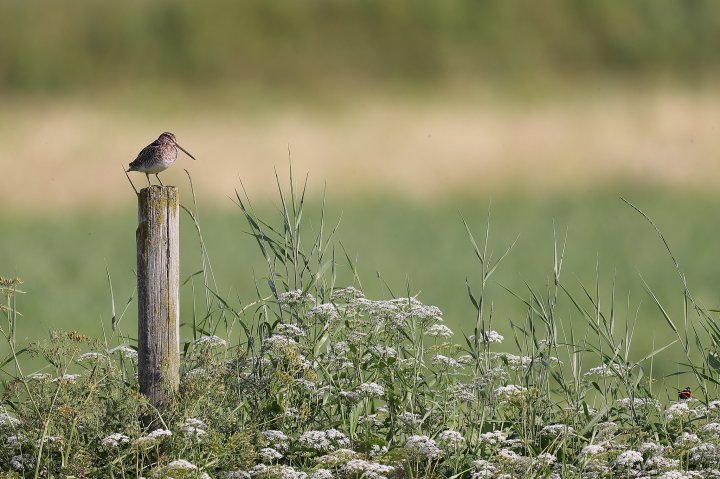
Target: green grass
{"points": [[399, 247]]}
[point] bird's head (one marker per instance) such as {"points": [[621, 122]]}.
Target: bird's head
{"points": [[168, 137]]}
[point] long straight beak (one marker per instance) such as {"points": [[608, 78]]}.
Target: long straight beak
{"points": [[185, 151]]}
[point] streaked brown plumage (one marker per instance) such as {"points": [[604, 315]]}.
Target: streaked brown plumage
{"points": [[157, 156]]}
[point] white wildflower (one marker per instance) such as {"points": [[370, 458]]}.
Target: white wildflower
{"points": [[236, 475], [439, 330], [451, 437], [712, 428], [606, 371], [545, 459], [153, 438], [91, 356], [276, 439], [509, 392], [346, 294], [554, 431], [678, 411], [462, 392], [592, 450], [40, 377], [365, 468], [66, 378], [661, 463], [268, 454], [492, 438], [338, 439], [628, 459], [704, 454], [316, 440], [115, 439], [445, 361], [424, 446], [376, 450], [371, 390], [211, 341], [322, 474], [640, 403], [326, 312], [409, 421], [382, 352], [337, 458], [686, 439], [489, 336], [649, 449], [125, 351], [278, 342], [181, 465], [294, 298], [289, 330], [193, 428]]}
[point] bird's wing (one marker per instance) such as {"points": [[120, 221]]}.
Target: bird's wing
{"points": [[147, 152]]}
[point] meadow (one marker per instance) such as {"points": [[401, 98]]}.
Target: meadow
{"points": [[303, 374], [471, 297]]}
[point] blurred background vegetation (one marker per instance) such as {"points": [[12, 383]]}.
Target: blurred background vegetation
{"points": [[320, 44], [417, 113]]}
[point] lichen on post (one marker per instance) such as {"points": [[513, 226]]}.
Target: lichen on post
{"points": [[158, 282]]}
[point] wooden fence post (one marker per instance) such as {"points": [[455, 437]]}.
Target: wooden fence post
{"points": [[158, 282]]}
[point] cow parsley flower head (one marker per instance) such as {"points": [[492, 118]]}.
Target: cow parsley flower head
{"points": [[423, 446], [294, 298], [326, 312], [91, 356], [509, 392], [276, 439], [181, 465], [628, 459], [268, 454], [321, 473], [451, 437], [211, 342], [125, 351], [439, 330], [371, 390], [289, 330], [153, 438], [66, 378], [592, 450], [489, 336], [492, 438], [361, 467], [115, 439], [346, 294], [193, 428], [679, 410], [554, 431]]}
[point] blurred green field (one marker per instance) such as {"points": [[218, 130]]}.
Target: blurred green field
{"points": [[308, 48], [411, 246]]}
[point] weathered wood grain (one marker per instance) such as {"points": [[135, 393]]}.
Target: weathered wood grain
{"points": [[158, 281]]}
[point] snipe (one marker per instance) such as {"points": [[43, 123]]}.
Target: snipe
{"points": [[157, 156]]}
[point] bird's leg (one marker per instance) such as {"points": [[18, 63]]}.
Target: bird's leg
{"points": [[156, 176], [148, 179]]}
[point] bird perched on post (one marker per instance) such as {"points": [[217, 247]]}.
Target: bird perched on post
{"points": [[157, 156], [685, 394]]}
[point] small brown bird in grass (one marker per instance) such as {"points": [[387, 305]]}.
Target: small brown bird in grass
{"points": [[157, 156], [685, 394]]}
